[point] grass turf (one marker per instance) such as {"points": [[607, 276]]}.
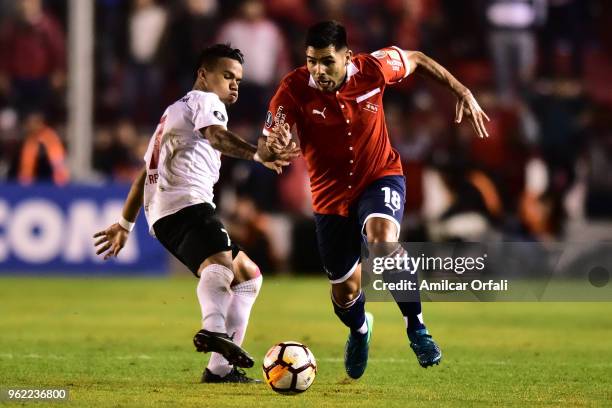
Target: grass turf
{"points": [[127, 342]]}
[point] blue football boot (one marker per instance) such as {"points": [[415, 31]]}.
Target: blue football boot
{"points": [[427, 351], [356, 350]]}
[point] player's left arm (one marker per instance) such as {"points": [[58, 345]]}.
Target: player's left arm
{"points": [[466, 103], [113, 239]]}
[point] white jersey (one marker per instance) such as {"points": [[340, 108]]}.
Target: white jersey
{"points": [[182, 167]]}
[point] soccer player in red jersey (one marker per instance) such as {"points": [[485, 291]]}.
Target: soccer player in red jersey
{"points": [[358, 189]]}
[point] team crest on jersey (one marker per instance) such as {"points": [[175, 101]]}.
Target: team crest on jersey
{"points": [[380, 54], [219, 116], [371, 107], [269, 119]]}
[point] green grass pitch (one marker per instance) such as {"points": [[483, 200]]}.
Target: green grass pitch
{"points": [[127, 342]]}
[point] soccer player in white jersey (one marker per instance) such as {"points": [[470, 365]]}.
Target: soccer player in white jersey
{"points": [[176, 187]]}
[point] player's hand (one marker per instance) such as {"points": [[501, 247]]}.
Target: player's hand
{"points": [[467, 105], [111, 240], [276, 165], [279, 137], [278, 149], [279, 142]]}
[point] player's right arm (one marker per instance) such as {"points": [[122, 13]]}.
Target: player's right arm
{"points": [[210, 120], [113, 239], [230, 144]]}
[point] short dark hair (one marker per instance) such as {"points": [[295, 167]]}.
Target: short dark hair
{"points": [[210, 55], [326, 33]]}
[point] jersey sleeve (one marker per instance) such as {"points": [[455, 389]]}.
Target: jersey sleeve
{"points": [[207, 110], [282, 109], [392, 63]]}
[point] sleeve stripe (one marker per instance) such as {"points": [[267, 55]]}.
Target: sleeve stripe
{"points": [[367, 95], [404, 60], [265, 132]]}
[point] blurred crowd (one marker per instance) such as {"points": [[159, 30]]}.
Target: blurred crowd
{"points": [[539, 68]]}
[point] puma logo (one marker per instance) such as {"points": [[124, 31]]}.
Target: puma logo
{"points": [[318, 112], [391, 208]]}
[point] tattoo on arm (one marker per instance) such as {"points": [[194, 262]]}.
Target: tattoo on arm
{"points": [[229, 143]]}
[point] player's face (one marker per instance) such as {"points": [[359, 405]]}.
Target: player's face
{"points": [[328, 66], [223, 79]]}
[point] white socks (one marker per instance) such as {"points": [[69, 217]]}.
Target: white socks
{"points": [[364, 327], [237, 320], [215, 295]]}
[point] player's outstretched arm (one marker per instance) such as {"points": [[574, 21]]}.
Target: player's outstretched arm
{"points": [[466, 103], [232, 145], [111, 240]]}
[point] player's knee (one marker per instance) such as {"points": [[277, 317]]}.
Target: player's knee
{"points": [[345, 300], [245, 269], [220, 258], [345, 296], [248, 278], [250, 269], [380, 232]]}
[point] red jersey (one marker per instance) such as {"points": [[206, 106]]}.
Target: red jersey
{"points": [[343, 135]]}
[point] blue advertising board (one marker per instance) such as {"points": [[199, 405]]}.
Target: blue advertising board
{"points": [[45, 229]]}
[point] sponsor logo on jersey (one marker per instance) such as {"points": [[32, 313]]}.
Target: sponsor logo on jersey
{"points": [[279, 118], [318, 112], [395, 64], [380, 54], [395, 55], [269, 120], [219, 116]]}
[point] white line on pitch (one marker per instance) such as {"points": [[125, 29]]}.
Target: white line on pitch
{"points": [[140, 356]]}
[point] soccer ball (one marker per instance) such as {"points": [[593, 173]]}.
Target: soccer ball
{"points": [[289, 367]]}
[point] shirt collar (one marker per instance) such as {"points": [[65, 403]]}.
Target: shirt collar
{"points": [[350, 71]]}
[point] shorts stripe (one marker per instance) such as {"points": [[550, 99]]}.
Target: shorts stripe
{"points": [[348, 274], [381, 215]]}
